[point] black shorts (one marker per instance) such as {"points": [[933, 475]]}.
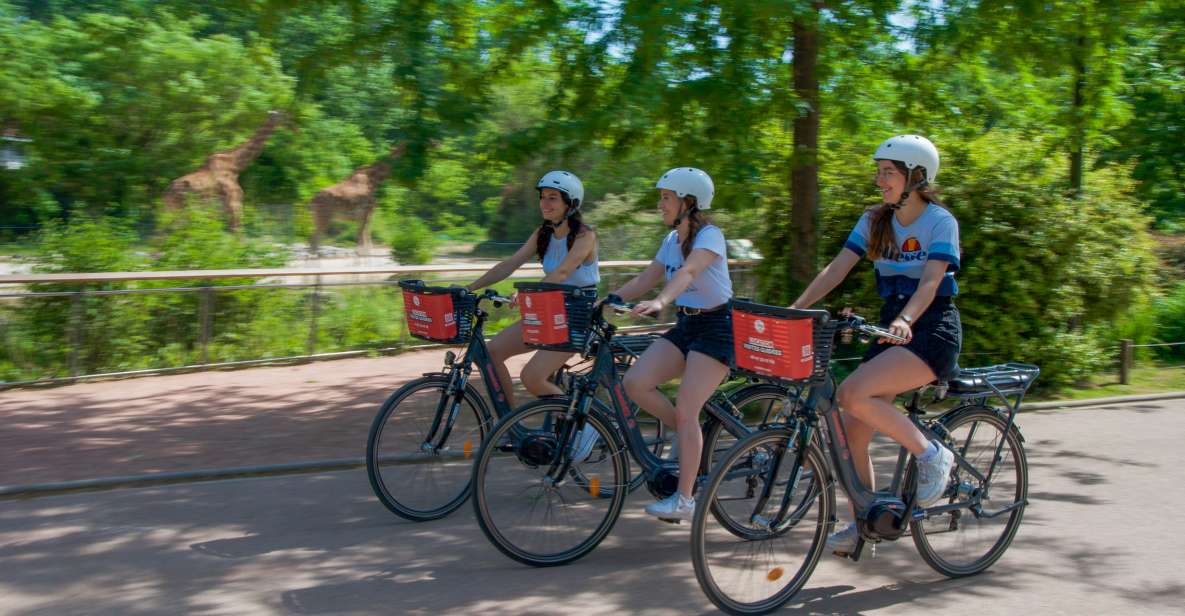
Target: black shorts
{"points": [[937, 335], [708, 333]]}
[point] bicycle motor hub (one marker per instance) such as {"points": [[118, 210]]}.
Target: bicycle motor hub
{"points": [[885, 519]]}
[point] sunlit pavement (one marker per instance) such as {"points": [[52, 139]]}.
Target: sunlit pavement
{"points": [[1099, 537]]}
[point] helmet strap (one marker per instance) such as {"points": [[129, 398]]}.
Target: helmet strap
{"points": [[683, 213]]}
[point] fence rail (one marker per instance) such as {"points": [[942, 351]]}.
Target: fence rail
{"points": [[316, 282]]}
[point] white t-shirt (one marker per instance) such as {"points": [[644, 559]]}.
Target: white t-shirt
{"points": [[712, 287]]}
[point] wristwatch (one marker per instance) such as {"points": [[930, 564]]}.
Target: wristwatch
{"points": [[905, 317]]}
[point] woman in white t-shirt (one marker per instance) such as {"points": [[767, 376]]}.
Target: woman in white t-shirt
{"points": [[568, 250], [694, 262]]}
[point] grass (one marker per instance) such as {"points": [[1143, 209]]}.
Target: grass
{"points": [[1144, 379]]}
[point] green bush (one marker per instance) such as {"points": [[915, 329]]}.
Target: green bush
{"points": [[412, 242], [1170, 322]]}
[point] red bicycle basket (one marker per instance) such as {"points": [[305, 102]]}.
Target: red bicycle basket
{"points": [[556, 317], [771, 341], [440, 314]]}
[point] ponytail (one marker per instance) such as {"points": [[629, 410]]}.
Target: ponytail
{"points": [[696, 220]]}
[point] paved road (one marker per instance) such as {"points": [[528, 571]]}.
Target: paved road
{"points": [[1099, 538]]}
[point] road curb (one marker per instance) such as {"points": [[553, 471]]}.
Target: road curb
{"points": [[1056, 404], [317, 466], [153, 479]]}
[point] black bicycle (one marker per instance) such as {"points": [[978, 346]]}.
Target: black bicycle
{"points": [[777, 486], [422, 440], [543, 501]]}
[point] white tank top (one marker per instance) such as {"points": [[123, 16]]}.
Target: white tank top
{"points": [[587, 274]]}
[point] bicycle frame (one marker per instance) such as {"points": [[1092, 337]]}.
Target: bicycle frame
{"points": [[604, 374], [476, 352]]}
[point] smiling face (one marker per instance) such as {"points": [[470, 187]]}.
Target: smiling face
{"points": [[551, 205], [890, 180], [669, 204]]}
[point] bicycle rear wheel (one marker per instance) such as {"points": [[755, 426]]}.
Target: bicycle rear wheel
{"points": [[409, 476], [537, 519], [968, 539], [760, 568]]}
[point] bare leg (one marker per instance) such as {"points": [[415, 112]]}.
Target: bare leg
{"points": [[536, 375], [662, 362], [867, 400], [507, 344], [701, 377]]}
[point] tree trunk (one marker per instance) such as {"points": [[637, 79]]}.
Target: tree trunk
{"points": [[1078, 117], [804, 162]]}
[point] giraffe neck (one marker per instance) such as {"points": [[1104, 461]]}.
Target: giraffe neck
{"points": [[250, 149]]}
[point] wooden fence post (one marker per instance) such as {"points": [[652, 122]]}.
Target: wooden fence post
{"points": [[1125, 361]]}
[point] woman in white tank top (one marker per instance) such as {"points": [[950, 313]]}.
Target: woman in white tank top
{"points": [[568, 250]]}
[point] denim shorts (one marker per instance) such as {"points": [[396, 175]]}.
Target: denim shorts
{"points": [[709, 333], [937, 335]]}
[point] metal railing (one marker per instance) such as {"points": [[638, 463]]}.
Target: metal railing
{"points": [[315, 285]]}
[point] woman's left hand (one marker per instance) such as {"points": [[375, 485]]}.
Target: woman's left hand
{"points": [[648, 307], [899, 328]]}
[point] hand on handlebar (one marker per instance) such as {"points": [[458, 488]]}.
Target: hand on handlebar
{"points": [[648, 307], [901, 329]]}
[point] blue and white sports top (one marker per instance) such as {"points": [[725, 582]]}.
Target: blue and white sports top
{"points": [[934, 235], [587, 274], [712, 287]]}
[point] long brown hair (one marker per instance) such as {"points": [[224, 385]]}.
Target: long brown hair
{"points": [[543, 237], [883, 244], [696, 220]]}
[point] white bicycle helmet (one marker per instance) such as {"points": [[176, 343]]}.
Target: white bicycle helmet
{"points": [[689, 181], [913, 151], [566, 183]]}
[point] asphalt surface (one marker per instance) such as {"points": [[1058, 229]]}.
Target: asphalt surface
{"points": [[1099, 537]]}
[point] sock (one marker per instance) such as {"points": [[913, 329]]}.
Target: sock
{"points": [[930, 453]]}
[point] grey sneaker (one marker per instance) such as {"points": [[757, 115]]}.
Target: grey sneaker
{"points": [[933, 477], [585, 441], [673, 508], [844, 541]]}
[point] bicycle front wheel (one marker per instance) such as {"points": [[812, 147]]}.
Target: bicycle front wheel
{"points": [[411, 473], [757, 546], [969, 530], [526, 511]]}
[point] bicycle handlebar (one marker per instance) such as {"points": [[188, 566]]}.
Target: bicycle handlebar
{"points": [[857, 323]]}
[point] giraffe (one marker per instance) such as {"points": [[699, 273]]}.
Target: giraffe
{"points": [[353, 197], [218, 178]]}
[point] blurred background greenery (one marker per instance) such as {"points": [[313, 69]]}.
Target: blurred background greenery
{"points": [[1060, 123]]}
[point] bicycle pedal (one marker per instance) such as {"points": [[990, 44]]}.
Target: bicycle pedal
{"points": [[671, 520]]}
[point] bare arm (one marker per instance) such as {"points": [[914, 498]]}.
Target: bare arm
{"points": [[828, 279], [582, 249], [699, 259], [507, 267], [643, 282]]}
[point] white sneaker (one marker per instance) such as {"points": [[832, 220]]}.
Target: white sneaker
{"points": [[673, 507], [585, 441], [844, 541], [933, 476]]}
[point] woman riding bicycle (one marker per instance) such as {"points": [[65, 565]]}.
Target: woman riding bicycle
{"points": [[694, 262], [914, 243], [568, 250]]}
